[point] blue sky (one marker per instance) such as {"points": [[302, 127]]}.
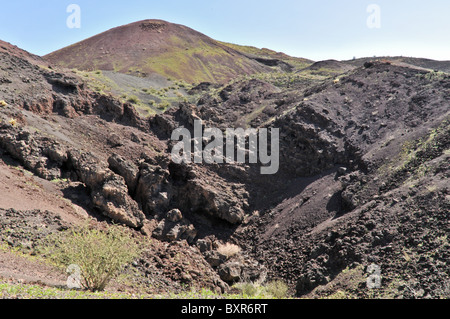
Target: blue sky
{"points": [[319, 29]]}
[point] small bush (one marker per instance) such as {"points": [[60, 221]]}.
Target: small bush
{"points": [[163, 105], [13, 122], [99, 254], [249, 289], [133, 99], [274, 289], [3, 103], [277, 289]]}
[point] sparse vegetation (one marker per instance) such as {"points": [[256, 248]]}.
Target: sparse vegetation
{"points": [[163, 105], [59, 180], [28, 291], [229, 250], [100, 254], [13, 122], [415, 154], [133, 99], [276, 289]]}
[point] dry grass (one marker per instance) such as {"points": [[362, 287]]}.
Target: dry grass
{"points": [[13, 122], [229, 250]]}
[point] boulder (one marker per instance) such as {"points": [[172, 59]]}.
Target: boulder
{"points": [[230, 272], [113, 200], [109, 191], [153, 188], [175, 228], [126, 169]]}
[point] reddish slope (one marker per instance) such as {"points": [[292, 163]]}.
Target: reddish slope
{"points": [[150, 46], [9, 49]]}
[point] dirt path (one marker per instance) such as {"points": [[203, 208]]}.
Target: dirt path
{"points": [[26, 270]]}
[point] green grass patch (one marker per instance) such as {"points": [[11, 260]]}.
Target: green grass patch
{"points": [[28, 291], [276, 289]]}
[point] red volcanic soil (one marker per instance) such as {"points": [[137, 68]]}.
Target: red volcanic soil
{"points": [[156, 46], [8, 48]]}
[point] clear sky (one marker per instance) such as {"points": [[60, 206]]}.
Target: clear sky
{"points": [[315, 29]]}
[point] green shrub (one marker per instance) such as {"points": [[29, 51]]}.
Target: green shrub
{"points": [[163, 105], [277, 289], [274, 289], [133, 99], [99, 254], [249, 289]]}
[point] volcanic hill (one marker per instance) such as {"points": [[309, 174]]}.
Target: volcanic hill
{"points": [[155, 46]]}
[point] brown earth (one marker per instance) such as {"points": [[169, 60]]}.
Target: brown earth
{"points": [[363, 178]]}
